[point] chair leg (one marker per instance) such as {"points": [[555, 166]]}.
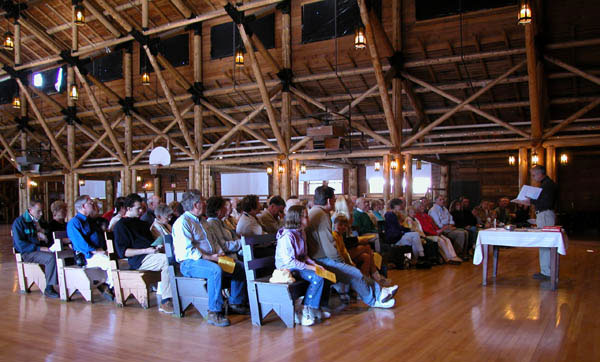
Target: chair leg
{"points": [[287, 314], [254, 306]]}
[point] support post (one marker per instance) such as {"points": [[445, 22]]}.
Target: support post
{"points": [[353, 182], [110, 194], [408, 195], [444, 180], [386, 178], [294, 187], [523, 167], [397, 176], [551, 162], [133, 180]]}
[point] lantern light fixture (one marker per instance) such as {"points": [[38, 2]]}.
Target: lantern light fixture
{"points": [[377, 166], [524, 16], [535, 158], [16, 102], [269, 170], [419, 164], [74, 92], [512, 160], [79, 15], [239, 57], [138, 178], [33, 183], [394, 165], [145, 78], [403, 167], [564, 159], [9, 41], [360, 39], [303, 168], [81, 182], [280, 169]]}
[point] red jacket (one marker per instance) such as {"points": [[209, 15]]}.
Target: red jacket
{"points": [[427, 223]]}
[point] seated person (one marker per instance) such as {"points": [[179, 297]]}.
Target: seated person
{"points": [[444, 244], [216, 231], [398, 234], [87, 240], [377, 211], [161, 227], [484, 214], [198, 257], [429, 226], [177, 211], [30, 241], [271, 218], [322, 249], [59, 212], [133, 240], [464, 218], [248, 224], [354, 252], [291, 253], [363, 223], [443, 220], [521, 216], [503, 213], [229, 221], [120, 211]]}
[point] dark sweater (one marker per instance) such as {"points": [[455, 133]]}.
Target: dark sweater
{"points": [[25, 234], [132, 233], [393, 230]]}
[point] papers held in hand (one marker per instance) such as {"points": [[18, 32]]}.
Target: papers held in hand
{"points": [[227, 264], [323, 273], [528, 192]]}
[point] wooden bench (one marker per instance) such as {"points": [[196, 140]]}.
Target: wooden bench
{"points": [[29, 273], [71, 277], [186, 291], [264, 297], [136, 283]]}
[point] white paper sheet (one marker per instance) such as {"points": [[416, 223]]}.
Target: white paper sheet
{"points": [[528, 192]]}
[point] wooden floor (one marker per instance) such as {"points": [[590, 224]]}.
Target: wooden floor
{"points": [[443, 314]]}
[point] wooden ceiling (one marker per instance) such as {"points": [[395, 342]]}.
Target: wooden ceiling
{"points": [[458, 55]]}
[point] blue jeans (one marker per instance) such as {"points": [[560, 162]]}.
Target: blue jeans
{"points": [[214, 275], [365, 287], [317, 294]]}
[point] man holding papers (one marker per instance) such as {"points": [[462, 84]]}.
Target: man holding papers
{"points": [[544, 211]]}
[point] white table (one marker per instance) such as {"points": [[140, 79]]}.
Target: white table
{"points": [[531, 238]]}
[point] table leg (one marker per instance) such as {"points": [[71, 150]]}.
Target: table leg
{"points": [[496, 250], [485, 262], [553, 268]]}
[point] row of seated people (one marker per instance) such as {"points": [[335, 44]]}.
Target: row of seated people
{"points": [[198, 243]]}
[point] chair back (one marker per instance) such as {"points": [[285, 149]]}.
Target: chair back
{"points": [[58, 239], [170, 249], [259, 255]]}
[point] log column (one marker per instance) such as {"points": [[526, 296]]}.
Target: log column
{"points": [[353, 182], [286, 178], [206, 181], [125, 181], [523, 167], [158, 186], [276, 178], [551, 162], [398, 175], [444, 180], [409, 179], [133, 180], [386, 178], [110, 194], [198, 118], [295, 178]]}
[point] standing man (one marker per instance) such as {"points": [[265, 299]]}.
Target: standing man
{"points": [[149, 214], [87, 241], [28, 240], [443, 219], [133, 240], [544, 211]]}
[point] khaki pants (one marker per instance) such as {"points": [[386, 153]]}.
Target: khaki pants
{"points": [[545, 218], [159, 262]]}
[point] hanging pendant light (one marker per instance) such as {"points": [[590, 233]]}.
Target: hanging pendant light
{"points": [[512, 160], [79, 15], [145, 78], [74, 92], [16, 102], [239, 57], [564, 159], [524, 16], [360, 39], [303, 168], [419, 164], [9, 41], [377, 166]]}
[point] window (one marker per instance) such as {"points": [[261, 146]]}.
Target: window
{"points": [[222, 42], [314, 178], [242, 184], [421, 180], [319, 19], [51, 81], [106, 68], [439, 8], [175, 49], [8, 89]]}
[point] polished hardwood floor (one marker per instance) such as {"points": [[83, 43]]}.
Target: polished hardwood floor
{"points": [[442, 314]]}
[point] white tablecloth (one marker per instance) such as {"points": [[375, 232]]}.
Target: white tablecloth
{"points": [[526, 239]]}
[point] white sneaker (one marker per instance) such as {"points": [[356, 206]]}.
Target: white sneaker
{"points": [[321, 314], [387, 293], [307, 318], [389, 304]]}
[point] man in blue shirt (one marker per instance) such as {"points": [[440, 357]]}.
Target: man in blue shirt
{"points": [[199, 258], [89, 242], [26, 233]]}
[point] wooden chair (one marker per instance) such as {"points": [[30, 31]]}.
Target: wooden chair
{"points": [[29, 273], [72, 278], [128, 283], [186, 291], [263, 296]]}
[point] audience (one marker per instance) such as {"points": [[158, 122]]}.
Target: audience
{"points": [[133, 240], [503, 213], [118, 215], [291, 253], [322, 249], [87, 240], [31, 242], [216, 231], [177, 211], [149, 215], [59, 213], [161, 227], [271, 218], [229, 221], [363, 224], [377, 209], [248, 224], [398, 234], [484, 214], [198, 258], [443, 220]]}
